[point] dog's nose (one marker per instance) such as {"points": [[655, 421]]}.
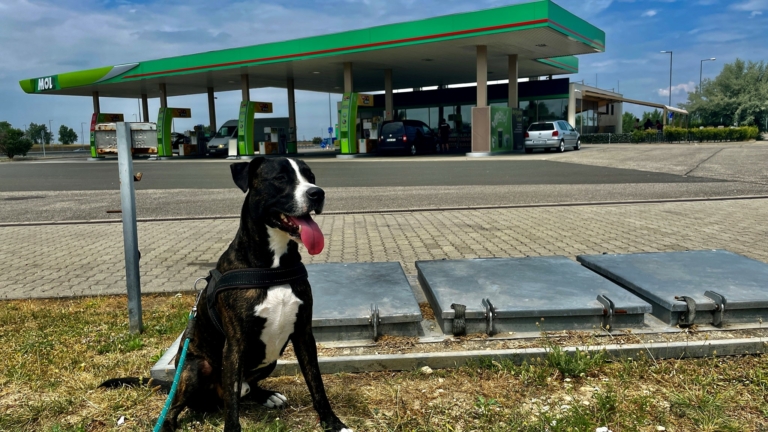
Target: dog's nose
{"points": [[315, 194]]}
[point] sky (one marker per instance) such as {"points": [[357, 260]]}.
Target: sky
{"points": [[43, 37]]}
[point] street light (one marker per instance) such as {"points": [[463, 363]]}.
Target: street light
{"points": [[50, 129], [82, 135], [701, 67], [670, 75]]}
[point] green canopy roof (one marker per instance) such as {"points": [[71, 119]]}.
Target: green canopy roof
{"points": [[434, 51]]}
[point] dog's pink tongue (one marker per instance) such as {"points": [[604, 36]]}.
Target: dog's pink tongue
{"points": [[311, 235]]}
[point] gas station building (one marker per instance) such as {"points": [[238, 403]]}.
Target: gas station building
{"points": [[537, 40]]}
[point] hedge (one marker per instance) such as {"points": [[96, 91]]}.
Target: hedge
{"points": [[673, 134]]}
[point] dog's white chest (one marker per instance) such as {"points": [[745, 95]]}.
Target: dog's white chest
{"points": [[279, 309]]}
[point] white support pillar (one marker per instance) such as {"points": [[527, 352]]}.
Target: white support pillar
{"points": [[245, 87], [348, 78], [512, 99], [482, 76], [619, 110], [291, 112], [389, 108], [163, 96], [96, 105], [572, 104]]}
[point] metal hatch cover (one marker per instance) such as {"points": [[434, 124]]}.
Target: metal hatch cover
{"points": [[524, 291], [718, 286], [345, 293]]}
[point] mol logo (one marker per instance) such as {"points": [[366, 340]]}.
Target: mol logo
{"points": [[48, 83]]}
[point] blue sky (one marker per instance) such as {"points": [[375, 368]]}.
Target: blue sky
{"points": [[43, 37]]}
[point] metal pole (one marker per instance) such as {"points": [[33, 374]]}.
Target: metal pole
{"points": [[330, 124], [130, 232], [82, 135], [701, 68], [670, 78], [42, 141]]}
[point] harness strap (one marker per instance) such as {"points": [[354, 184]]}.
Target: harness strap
{"points": [[247, 279]]}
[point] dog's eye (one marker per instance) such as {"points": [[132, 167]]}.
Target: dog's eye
{"points": [[281, 178]]}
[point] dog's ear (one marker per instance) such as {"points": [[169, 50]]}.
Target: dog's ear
{"points": [[240, 175], [243, 173]]}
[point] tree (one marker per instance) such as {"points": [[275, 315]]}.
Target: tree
{"points": [[737, 96], [4, 126], [317, 140], [67, 135], [13, 142], [39, 133], [655, 116]]}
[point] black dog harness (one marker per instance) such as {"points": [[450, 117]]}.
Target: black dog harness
{"points": [[247, 279]]}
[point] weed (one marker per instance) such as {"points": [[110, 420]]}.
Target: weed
{"points": [[578, 364]]}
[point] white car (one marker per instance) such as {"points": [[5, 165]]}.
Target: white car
{"points": [[557, 135]]}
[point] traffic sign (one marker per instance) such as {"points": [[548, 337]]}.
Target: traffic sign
{"points": [[330, 130]]}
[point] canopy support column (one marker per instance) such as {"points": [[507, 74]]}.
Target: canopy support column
{"points": [[291, 144], [163, 96], [211, 110], [145, 108], [482, 76], [388, 96], [512, 100], [96, 107], [246, 87], [348, 79], [572, 104]]}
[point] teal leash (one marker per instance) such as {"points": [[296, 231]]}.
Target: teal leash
{"points": [[188, 332]]}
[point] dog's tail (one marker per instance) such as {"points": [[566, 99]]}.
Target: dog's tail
{"points": [[136, 382]]}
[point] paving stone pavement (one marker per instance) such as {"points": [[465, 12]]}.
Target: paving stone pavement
{"points": [[75, 260]]}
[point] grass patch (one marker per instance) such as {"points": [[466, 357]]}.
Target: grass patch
{"points": [[55, 353]]}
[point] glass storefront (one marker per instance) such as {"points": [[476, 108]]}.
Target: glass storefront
{"points": [[543, 110]]}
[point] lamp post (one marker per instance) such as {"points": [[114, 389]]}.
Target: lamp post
{"points": [[701, 68], [82, 135], [50, 129], [670, 75]]}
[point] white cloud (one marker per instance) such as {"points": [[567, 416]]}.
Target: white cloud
{"points": [[755, 13], [677, 89], [750, 6], [649, 13]]}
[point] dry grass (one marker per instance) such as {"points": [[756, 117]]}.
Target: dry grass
{"points": [[55, 353], [426, 311]]}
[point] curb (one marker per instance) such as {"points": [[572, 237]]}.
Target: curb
{"points": [[405, 210], [164, 368]]}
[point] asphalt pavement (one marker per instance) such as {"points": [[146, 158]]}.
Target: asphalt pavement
{"points": [[76, 190]]}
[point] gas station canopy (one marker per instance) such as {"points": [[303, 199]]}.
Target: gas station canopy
{"points": [[435, 51]]}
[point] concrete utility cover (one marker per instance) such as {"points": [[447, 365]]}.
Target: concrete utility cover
{"points": [[523, 291], [660, 277]]}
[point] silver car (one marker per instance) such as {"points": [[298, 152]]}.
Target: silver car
{"points": [[557, 135]]}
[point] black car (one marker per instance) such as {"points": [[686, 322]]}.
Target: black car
{"points": [[408, 136]]}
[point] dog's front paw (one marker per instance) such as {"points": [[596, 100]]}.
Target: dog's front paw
{"points": [[276, 400], [269, 399]]}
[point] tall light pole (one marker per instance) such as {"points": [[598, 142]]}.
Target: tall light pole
{"points": [[701, 68], [670, 75], [50, 129], [82, 135]]}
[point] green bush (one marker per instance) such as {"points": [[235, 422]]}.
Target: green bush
{"points": [[14, 143], [676, 134]]}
